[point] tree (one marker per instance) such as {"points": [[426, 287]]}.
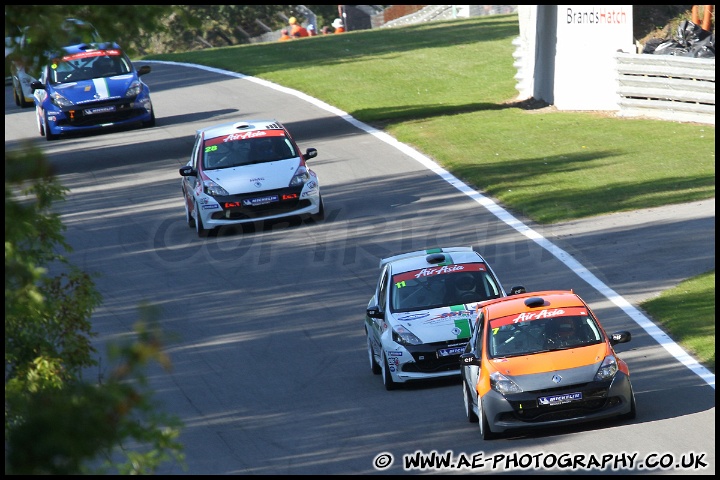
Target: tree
{"points": [[147, 29], [55, 421], [140, 23]]}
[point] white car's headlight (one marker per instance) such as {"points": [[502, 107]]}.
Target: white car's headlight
{"points": [[300, 177], [60, 101], [608, 369], [134, 89], [501, 384], [403, 336], [213, 189]]}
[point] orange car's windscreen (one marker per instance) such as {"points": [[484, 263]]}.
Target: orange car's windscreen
{"points": [[542, 331]]}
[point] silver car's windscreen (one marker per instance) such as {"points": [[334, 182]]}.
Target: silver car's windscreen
{"points": [[442, 286]]}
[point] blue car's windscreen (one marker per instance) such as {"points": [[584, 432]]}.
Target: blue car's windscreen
{"points": [[89, 65]]}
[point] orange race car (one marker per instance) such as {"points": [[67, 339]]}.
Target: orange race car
{"points": [[540, 359]]}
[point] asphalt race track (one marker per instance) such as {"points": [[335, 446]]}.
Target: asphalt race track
{"points": [[270, 371]]}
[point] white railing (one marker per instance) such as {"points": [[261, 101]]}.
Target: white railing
{"points": [[666, 87]]}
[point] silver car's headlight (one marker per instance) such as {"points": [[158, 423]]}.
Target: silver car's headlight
{"points": [[501, 384], [403, 336], [134, 89], [608, 369], [300, 177], [60, 101], [213, 189]]}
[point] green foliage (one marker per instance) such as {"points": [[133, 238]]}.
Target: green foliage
{"points": [[130, 25], [146, 29], [33, 240], [197, 27], [55, 422]]}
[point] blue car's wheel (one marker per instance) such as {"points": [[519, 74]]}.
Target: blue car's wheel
{"points": [[49, 136], [151, 122], [40, 123]]}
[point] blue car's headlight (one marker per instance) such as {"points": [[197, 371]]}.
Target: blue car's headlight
{"points": [[60, 101], [134, 89]]}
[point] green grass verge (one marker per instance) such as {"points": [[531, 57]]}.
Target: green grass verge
{"points": [[446, 88], [683, 312]]}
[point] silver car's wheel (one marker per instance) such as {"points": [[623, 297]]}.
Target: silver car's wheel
{"points": [[321, 213], [374, 366], [21, 102], [469, 412], [386, 375]]}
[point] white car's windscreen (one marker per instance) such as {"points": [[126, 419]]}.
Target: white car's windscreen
{"points": [[246, 151]]}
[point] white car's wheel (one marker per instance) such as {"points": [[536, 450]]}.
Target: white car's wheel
{"points": [[374, 366], [321, 213], [386, 375], [467, 398], [188, 214], [199, 228]]}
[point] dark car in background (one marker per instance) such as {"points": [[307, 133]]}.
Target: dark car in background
{"points": [[20, 63]]}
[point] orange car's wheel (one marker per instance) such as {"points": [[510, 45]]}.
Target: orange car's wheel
{"points": [[485, 431], [633, 411], [469, 412]]}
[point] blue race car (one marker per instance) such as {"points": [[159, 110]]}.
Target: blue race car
{"points": [[91, 86]]}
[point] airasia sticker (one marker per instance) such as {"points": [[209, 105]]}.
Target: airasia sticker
{"points": [[442, 270], [243, 136], [539, 314]]}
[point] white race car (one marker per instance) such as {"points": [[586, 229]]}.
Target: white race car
{"points": [[248, 171], [418, 320]]}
